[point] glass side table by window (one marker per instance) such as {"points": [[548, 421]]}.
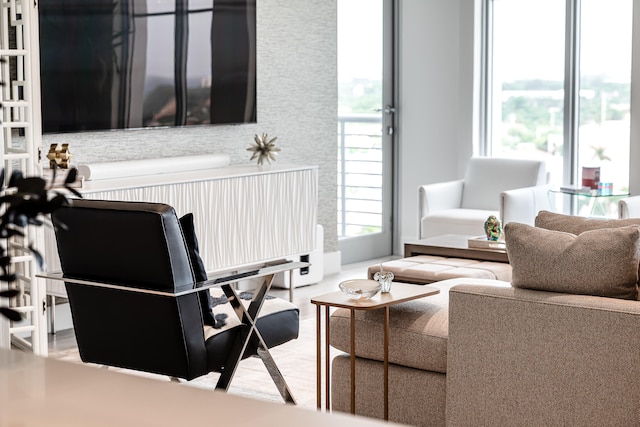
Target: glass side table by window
{"points": [[593, 204]]}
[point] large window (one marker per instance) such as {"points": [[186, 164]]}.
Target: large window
{"points": [[557, 82]]}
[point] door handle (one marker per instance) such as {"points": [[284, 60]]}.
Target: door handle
{"points": [[387, 109]]}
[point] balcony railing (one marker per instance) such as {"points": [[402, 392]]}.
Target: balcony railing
{"points": [[359, 174]]}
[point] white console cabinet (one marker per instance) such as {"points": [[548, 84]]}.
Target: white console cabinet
{"points": [[243, 214]]}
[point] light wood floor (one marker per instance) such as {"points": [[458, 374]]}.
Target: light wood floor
{"points": [[295, 359]]}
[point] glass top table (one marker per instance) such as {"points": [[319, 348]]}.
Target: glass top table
{"points": [[589, 203]]}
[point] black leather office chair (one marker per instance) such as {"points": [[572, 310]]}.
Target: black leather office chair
{"points": [[129, 275]]}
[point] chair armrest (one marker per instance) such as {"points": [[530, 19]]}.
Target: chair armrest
{"points": [[629, 207], [439, 196], [524, 357], [523, 204], [224, 278]]}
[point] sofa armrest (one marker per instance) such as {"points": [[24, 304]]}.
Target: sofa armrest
{"points": [[525, 357], [523, 204]]}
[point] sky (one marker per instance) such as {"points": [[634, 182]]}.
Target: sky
{"points": [[530, 38], [530, 35], [360, 39]]}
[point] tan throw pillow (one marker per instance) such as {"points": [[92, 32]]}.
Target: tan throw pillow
{"points": [[577, 224], [600, 262]]}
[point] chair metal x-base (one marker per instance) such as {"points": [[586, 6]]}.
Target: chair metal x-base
{"points": [[247, 315]]}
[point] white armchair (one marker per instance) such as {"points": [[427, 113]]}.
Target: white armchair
{"points": [[511, 189]]}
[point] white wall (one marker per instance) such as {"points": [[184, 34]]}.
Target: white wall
{"points": [[437, 99]]}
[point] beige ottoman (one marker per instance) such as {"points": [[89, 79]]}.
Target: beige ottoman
{"points": [[423, 269]]}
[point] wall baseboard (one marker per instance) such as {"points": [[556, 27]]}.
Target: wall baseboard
{"points": [[332, 262]]}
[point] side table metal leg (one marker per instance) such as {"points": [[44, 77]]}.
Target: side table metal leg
{"points": [[327, 360], [318, 359], [386, 363], [353, 360]]}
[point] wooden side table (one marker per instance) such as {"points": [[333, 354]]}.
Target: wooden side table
{"points": [[400, 292], [453, 246]]}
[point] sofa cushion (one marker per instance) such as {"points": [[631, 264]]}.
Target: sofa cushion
{"points": [[418, 330], [577, 224], [601, 262]]}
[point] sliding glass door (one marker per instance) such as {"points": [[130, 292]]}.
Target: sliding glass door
{"points": [[365, 128]]}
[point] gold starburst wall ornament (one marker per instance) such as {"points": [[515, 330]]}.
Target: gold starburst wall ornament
{"points": [[264, 149]]}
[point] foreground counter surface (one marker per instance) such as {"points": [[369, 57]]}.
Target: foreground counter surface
{"points": [[36, 391]]}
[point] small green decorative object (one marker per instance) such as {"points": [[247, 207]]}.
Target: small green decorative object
{"points": [[492, 228], [264, 149]]}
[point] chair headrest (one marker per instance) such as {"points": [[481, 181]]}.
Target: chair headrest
{"points": [[130, 243]]}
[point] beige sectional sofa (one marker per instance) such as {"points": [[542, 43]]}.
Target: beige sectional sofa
{"points": [[490, 353]]}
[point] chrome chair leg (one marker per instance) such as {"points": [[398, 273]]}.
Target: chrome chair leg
{"points": [[251, 334]]}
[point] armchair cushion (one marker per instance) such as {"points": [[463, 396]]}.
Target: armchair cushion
{"points": [[487, 177], [460, 221], [600, 262]]}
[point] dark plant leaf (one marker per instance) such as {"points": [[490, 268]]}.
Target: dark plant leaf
{"points": [[10, 314], [5, 261], [16, 176], [35, 221], [2, 178], [32, 184], [74, 191], [10, 293], [38, 257], [56, 201], [71, 176], [55, 168], [8, 277], [13, 230]]}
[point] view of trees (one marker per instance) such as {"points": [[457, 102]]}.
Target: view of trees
{"points": [[534, 108], [359, 96]]}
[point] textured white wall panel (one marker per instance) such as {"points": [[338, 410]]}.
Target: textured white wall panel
{"points": [[240, 220]]}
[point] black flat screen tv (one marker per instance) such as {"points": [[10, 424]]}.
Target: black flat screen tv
{"points": [[119, 64]]}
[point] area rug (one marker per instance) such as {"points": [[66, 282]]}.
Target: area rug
{"points": [[296, 360]]}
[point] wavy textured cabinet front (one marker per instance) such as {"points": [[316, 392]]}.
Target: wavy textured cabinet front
{"points": [[242, 216]]}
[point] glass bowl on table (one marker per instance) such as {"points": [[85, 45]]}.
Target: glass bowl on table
{"points": [[360, 288]]}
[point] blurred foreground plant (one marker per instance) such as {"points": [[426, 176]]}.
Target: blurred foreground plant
{"points": [[26, 201]]}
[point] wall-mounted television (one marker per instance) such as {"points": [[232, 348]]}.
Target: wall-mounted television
{"points": [[119, 64]]}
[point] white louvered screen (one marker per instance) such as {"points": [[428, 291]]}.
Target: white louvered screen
{"points": [[20, 137]]}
